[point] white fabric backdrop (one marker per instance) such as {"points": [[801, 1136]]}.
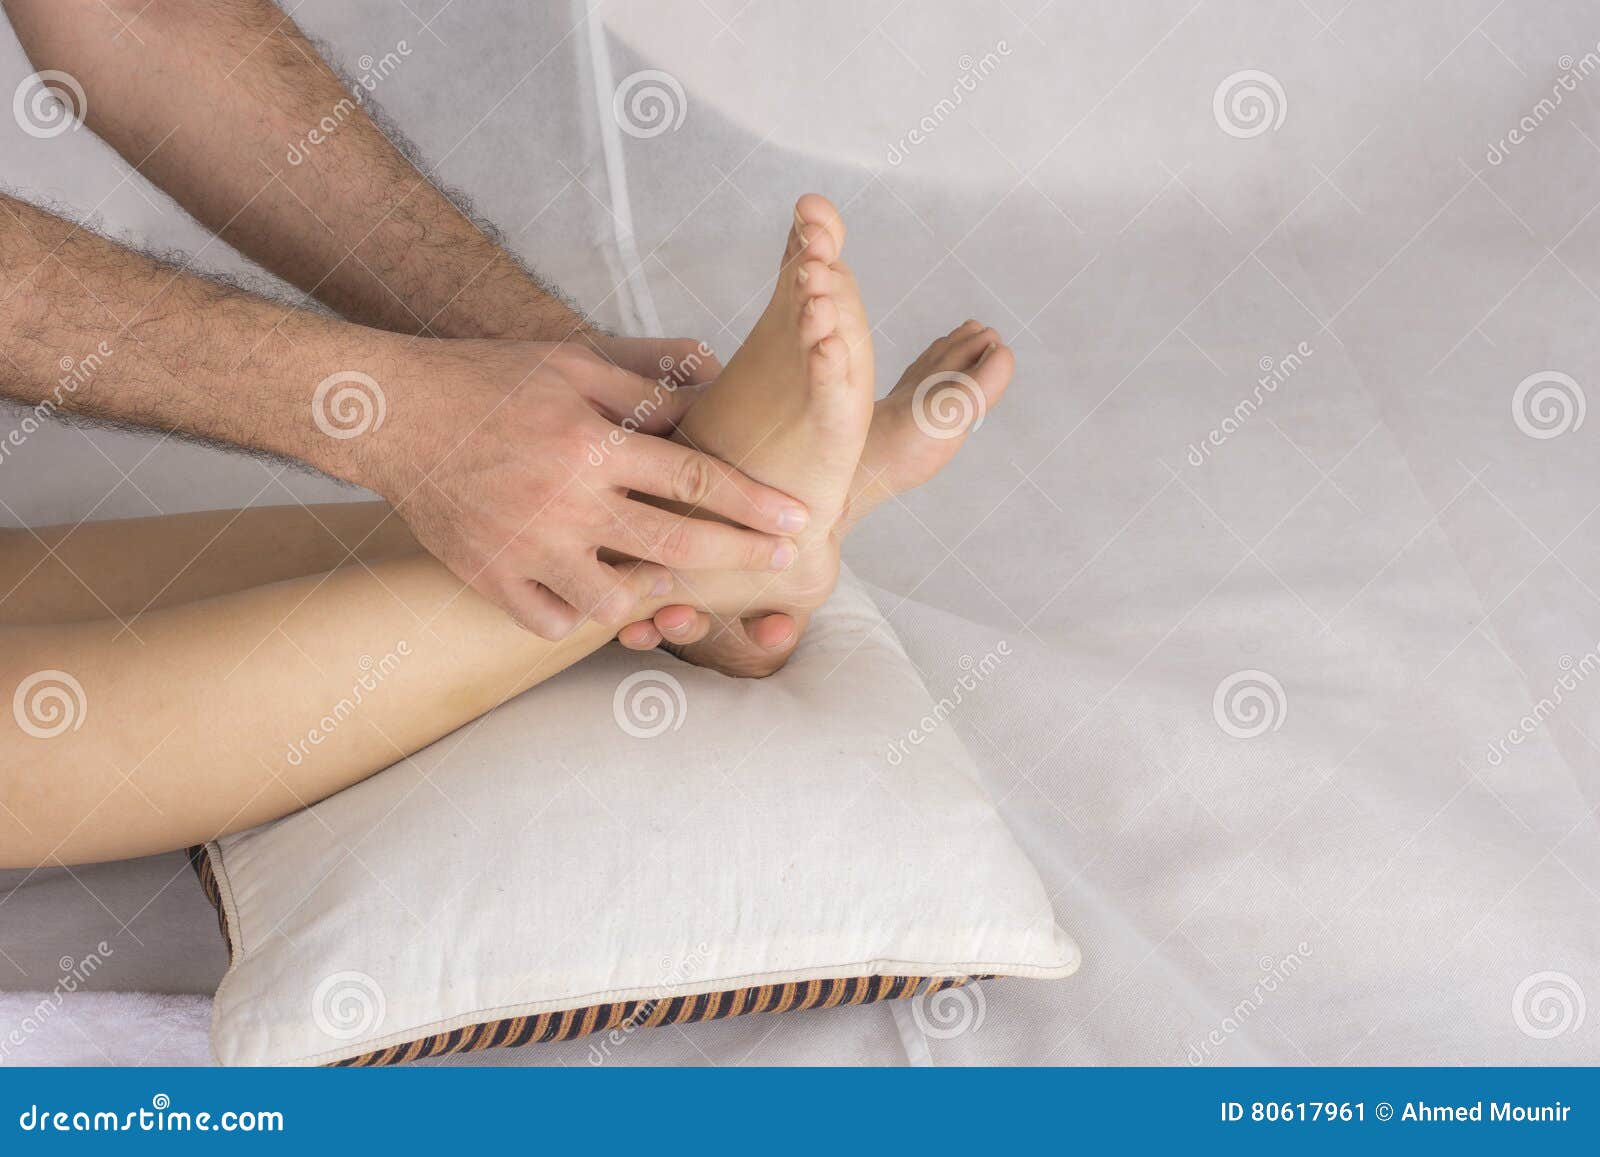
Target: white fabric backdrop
{"points": [[1360, 883]]}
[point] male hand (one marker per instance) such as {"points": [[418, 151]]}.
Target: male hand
{"points": [[512, 462]]}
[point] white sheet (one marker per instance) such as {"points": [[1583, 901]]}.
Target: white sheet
{"points": [[1366, 883]]}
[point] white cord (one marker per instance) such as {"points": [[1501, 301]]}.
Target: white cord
{"points": [[633, 291]]}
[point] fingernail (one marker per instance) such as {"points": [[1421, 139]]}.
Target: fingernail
{"points": [[793, 518], [662, 585], [782, 557]]}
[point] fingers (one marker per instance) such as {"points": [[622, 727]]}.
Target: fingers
{"points": [[685, 543], [591, 589], [680, 359], [653, 386], [774, 632], [640, 636], [681, 625], [629, 399], [536, 608], [677, 624], [665, 469]]}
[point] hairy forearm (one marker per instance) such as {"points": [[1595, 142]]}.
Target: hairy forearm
{"points": [[219, 106], [90, 328]]}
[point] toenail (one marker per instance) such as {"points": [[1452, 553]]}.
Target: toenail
{"points": [[783, 642], [782, 557], [804, 275], [793, 518], [661, 587]]}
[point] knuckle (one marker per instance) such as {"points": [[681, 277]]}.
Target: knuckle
{"points": [[680, 543], [693, 479]]}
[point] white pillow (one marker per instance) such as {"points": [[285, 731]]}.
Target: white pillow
{"points": [[636, 841]]}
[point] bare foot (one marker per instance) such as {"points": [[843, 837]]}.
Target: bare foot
{"points": [[793, 406], [914, 433]]}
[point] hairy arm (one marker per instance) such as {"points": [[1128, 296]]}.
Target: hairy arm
{"points": [[210, 99], [215, 101], [90, 328]]}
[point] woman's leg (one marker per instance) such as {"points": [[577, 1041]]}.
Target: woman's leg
{"points": [[61, 574], [205, 717], [217, 715]]}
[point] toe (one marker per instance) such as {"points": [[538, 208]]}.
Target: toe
{"points": [[809, 242], [815, 209], [993, 373], [968, 348], [819, 318], [827, 365], [813, 279]]}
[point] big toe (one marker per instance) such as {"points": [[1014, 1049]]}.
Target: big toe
{"points": [[817, 233]]}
